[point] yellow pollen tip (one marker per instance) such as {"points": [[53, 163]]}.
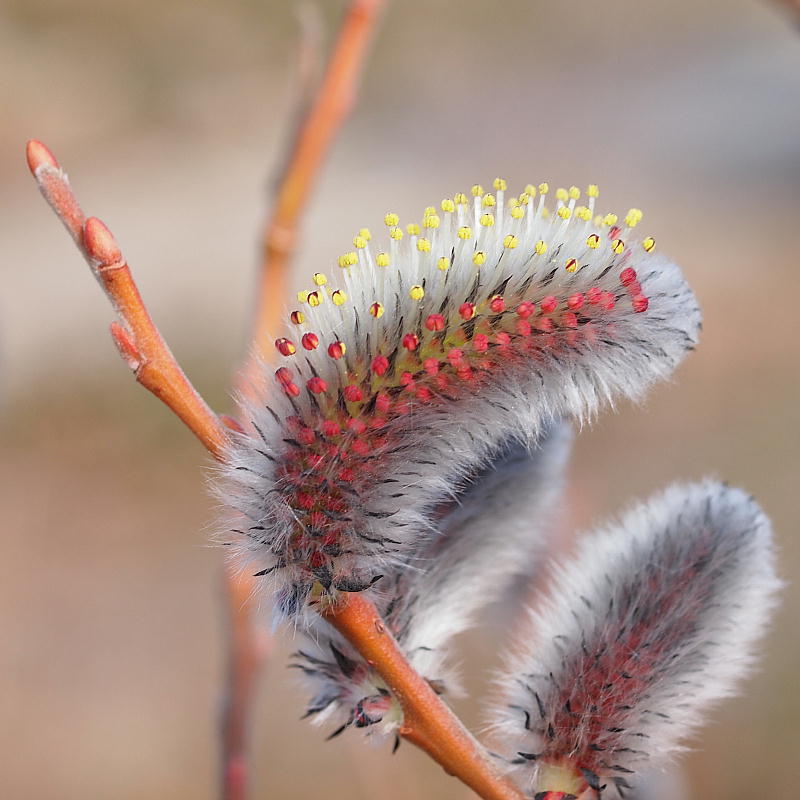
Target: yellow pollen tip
{"points": [[416, 293], [376, 309], [499, 185], [428, 211], [391, 220], [489, 201], [530, 189], [460, 199], [465, 232], [648, 244], [315, 299], [339, 298], [443, 263], [359, 242], [517, 212], [448, 206], [365, 233], [348, 260], [633, 217], [562, 195], [618, 246], [610, 219], [581, 212], [396, 233], [540, 248], [564, 212], [487, 220], [477, 190], [479, 258], [593, 241], [302, 296], [512, 202], [382, 259], [510, 241], [423, 245], [592, 190], [320, 279], [571, 265], [574, 193], [544, 188], [431, 221], [413, 229]]}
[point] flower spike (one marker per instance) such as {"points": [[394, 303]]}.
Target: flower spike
{"points": [[652, 622], [476, 328]]}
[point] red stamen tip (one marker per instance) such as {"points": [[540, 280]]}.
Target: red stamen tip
{"points": [[310, 341]]}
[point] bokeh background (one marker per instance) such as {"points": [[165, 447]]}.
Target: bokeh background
{"points": [[170, 118]]}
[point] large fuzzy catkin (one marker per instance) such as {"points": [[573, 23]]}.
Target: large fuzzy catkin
{"points": [[493, 530], [653, 620], [412, 366]]}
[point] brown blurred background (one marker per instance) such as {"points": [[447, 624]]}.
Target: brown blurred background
{"points": [[168, 116]]}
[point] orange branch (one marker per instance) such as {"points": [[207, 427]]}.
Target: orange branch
{"points": [[427, 721]]}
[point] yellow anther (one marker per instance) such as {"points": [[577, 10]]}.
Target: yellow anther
{"points": [[510, 241], [593, 241], [423, 245], [443, 263], [315, 299], [574, 193], [416, 293], [302, 296], [487, 220], [479, 258], [431, 221], [564, 212], [359, 242], [297, 317], [610, 219], [518, 212], [581, 212], [391, 220], [428, 211], [489, 201], [448, 206], [525, 198], [460, 199], [413, 229], [618, 246], [396, 234], [338, 297], [530, 189], [592, 190], [571, 265], [477, 190], [348, 260], [465, 232], [562, 195], [499, 185], [382, 259], [544, 188], [512, 202], [633, 217], [540, 248], [376, 309], [320, 279], [598, 220], [649, 243]]}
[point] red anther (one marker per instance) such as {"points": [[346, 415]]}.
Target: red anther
{"points": [[380, 364], [383, 402], [100, 244], [608, 301], [283, 375], [306, 436], [424, 394], [38, 154], [377, 423], [502, 339], [497, 304], [297, 317], [569, 320], [331, 428], [575, 301], [640, 303], [336, 349], [455, 355], [310, 341], [480, 342], [357, 426], [317, 385], [406, 379], [353, 394], [525, 309], [304, 500], [544, 324], [467, 311], [593, 295], [523, 327], [285, 347], [291, 388], [464, 372], [410, 342], [361, 447], [402, 408], [627, 276], [315, 460], [435, 322], [548, 305], [614, 232], [431, 366]]}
